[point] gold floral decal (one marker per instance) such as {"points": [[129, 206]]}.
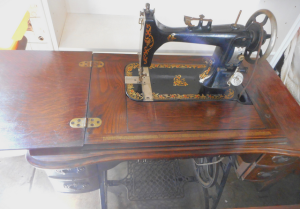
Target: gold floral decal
{"points": [[130, 67], [228, 95], [178, 81], [157, 96], [177, 66], [149, 41], [130, 89], [135, 95], [206, 72], [171, 37]]}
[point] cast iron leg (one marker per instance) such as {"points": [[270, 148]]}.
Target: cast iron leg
{"points": [[218, 188], [103, 189]]}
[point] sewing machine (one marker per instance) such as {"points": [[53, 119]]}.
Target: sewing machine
{"points": [[216, 78], [91, 125]]}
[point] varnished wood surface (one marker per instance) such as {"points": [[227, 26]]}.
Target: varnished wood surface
{"points": [[77, 159], [114, 141], [54, 90], [193, 116], [145, 122], [266, 89], [148, 152], [40, 92], [107, 95]]}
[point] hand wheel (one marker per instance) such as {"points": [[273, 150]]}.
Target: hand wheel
{"points": [[255, 27]]}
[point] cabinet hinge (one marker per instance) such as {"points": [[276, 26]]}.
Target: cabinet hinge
{"points": [[96, 64], [85, 122]]}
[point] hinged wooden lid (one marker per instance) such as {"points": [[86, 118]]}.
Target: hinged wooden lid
{"points": [[40, 93]]}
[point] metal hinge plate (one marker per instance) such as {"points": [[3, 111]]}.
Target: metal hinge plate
{"points": [[146, 85], [85, 122], [96, 64], [132, 80]]}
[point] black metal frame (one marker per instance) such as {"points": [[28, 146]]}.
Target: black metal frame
{"points": [[225, 37], [217, 188], [103, 188]]}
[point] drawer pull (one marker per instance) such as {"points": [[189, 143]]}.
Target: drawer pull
{"points": [[71, 170], [281, 159], [266, 174], [76, 186]]}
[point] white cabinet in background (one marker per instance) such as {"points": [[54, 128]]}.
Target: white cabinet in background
{"points": [[38, 37], [112, 26]]}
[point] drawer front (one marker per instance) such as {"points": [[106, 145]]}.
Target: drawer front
{"points": [[276, 160], [78, 172], [262, 173], [75, 185]]}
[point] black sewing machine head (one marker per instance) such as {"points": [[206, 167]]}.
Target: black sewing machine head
{"points": [[216, 78]]}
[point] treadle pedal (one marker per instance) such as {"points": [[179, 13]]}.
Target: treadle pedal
{"points": [[153, 180]]}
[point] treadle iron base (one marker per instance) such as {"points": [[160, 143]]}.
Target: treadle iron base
{"points": [[153, 180], [160, 184]]}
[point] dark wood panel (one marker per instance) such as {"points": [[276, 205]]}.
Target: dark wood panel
{"points": [[137, 139], [112, 141], [107, 95], [40, 93], [66, 161], [108, 101], [84, 154], [266, 89], [182, 116]]}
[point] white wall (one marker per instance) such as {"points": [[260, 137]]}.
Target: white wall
{"points": [[56, 13], [170, 13], [165, 9], [287, 14]]}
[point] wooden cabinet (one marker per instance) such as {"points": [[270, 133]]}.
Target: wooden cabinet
{"points": [[74, 180], [266, 170], [42, 92]]}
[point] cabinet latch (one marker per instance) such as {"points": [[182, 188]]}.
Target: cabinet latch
{"points": [[85, 122], [96, 64]]}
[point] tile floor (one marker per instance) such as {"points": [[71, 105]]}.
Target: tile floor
{"points": [[23, 186]]}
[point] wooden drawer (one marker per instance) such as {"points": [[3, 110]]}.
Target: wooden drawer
{"points": [[266, 173], [75, 185], [275, 160], [78, 172], [261, 173], [266, 170]]}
